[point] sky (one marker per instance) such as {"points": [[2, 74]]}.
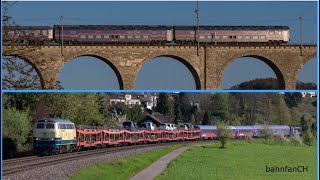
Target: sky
{"points": [[78, 73]]}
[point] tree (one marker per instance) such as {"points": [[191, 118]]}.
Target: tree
{"points": [[221, 102], [224, 134], [266, 133], [308, 138], [193, 119], [16, 129], [292, 99], [205, 120], [177, 110], [163, 104], [17, 73]]}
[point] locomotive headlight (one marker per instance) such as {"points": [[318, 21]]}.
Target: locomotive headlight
{"points": [[37, 139], [52, 139]]}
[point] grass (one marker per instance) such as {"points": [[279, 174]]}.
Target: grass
{"points": [[242, 160], [123, 168]]}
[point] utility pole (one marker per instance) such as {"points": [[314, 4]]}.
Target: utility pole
{"points": [[198, 28], [300, 35], [61, 34]]}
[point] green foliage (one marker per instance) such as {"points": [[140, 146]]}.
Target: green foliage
{"points": [[163, 104], [266, 133], [296, 139], [308, 138], [224, 134], [16, 126], [177, 110], [280, 139], [205, 120], [292, 99], [307, 122]]}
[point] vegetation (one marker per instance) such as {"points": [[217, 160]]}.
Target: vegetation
{"points": [[266, 133], [242, 160], [270, 83], [94, 109], [224, 134], [123, 168]]}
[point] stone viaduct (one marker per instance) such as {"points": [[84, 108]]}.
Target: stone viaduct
{"points": [[207, 69]]}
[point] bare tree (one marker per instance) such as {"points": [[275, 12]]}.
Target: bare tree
{"points": [[16, 73]]}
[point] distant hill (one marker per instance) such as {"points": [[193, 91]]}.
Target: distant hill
{"points": [[269, 83]]}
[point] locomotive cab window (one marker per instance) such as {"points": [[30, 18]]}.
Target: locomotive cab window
{"points": [[49, 126], [40, 126]]}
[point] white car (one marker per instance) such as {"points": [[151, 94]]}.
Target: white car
{"points": [[165, 127], [150, 126], [183, 127]]}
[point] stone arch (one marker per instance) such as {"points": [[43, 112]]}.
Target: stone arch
{"points": [[273, 66], [105, 60], [29, 61], [190, 67]]}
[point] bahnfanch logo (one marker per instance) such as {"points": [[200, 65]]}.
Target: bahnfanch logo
{"points": [[284, 169]]}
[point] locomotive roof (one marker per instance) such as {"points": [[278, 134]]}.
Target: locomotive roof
{"points": [[244, 27], [56, 120], [243, 127], [27, 27]]}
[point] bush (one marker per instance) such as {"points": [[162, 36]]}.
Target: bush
{"points": [[266, 133], [224, 134], [281, 139], [308, 138], [16, 128], [296, 139]]}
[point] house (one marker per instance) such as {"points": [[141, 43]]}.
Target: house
{"points": [[308, 94]]}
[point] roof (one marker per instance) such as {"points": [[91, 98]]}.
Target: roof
{"points": [[243, 127], [271, 126], [206, 127], [26, 27], [56, 120], [161, 119]]}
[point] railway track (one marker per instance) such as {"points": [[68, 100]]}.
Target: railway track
{"points": [[23, 164]]}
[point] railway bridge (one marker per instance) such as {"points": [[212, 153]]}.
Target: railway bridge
{"points": [[207, 68]]}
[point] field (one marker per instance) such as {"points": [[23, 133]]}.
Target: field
{"points": [[242, 160], [123, 168]]}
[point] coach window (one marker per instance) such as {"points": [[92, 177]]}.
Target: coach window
{"points": [[129, 36], [239, 37], [209, 36], [37, 32], [44, 32], [98, 36], [106, 36], [145, 37], [202, 37], [254, 37], [73, 32], [122, 37], [224, 37], [90, 36], [83, 36], [137, 36], [262, 37], [247, 37], [218, 37]]}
